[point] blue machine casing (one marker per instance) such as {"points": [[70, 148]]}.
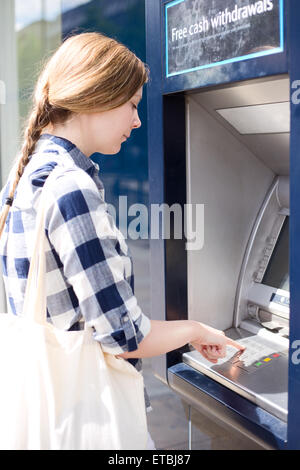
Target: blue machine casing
{"points": [[165, 98]]}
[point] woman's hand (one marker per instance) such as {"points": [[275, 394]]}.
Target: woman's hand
{"points": [[212, 343]]}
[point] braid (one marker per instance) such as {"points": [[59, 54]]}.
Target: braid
{"points": [[38, 119]]}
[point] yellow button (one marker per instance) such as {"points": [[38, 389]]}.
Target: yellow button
{"points": [[267, 359]]}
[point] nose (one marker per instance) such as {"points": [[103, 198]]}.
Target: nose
{"points": [[137, 122]]}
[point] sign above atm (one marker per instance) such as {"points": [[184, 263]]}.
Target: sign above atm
{"points": [[205, 33]]}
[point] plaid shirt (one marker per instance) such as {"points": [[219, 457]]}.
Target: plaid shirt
{"points": [[89, 276]]}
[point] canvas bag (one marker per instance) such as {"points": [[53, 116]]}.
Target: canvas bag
{"points": [[58, 389]]}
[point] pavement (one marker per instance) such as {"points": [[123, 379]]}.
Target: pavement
{"points": [[168, 421]]}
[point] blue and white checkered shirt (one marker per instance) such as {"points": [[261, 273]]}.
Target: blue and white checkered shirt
{"points": [[89, 275]]}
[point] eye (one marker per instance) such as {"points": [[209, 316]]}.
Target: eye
{"points": [[134, 106]]}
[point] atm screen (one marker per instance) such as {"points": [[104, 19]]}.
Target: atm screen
{"points": [[277, 273]]}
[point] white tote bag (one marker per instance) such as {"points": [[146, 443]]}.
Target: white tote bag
{"points": [[58, 390]]}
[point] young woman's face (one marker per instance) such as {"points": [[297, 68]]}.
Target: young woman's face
{"points": [[105, 132]]}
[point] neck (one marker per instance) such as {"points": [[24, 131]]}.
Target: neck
{"points": [[71, 131]]}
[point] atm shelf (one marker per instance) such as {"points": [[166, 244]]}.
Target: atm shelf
{"points": [[227, 407]]}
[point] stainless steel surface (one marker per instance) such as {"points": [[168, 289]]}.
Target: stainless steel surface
{"points": [[241, 181], [261, 295], [219, 414], [283, 192], [255, 374], [259, 250], [232, 183], [271, 149]]}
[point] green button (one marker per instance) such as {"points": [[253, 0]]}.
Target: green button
{"points": [[257, 364]]}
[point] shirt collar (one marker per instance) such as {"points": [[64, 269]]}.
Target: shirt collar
{"points": [[79, 158]]}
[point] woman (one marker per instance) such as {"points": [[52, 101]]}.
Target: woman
{"points": [[85, 101]]}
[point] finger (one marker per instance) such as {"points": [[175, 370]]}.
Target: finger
{"points": [[212, 350], [217, 351], [230, 342], [222, 351], [205, 354], [214, 353]]}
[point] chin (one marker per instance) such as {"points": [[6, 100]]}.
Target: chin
{"points": [[108, 151], [114, 151]]}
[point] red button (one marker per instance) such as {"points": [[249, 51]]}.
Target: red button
{"points": [[276, 355]]}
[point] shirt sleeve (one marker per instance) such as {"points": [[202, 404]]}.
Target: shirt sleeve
{"points": [[94, 257]]}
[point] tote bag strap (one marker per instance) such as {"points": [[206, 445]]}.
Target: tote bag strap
{"points": [[35, 304]]}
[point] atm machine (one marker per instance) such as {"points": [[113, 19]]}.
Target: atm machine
{"points": [[224, 134]]}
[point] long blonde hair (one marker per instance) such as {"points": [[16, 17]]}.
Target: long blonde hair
{"points": [[88, 73]]}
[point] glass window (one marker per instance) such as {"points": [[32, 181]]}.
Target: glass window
{"points": [[38, 34], [29, 32]]}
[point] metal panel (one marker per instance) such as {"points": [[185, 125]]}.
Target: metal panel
{"points": [[272, 149], [231, 183], [226, 408], [259, 374]]}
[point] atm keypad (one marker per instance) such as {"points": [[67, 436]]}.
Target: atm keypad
{"points": [[256, 356]]}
